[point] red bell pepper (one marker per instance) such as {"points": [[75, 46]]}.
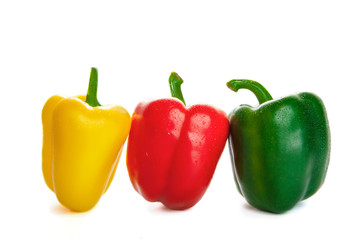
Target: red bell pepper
{"points": [[173, 150]]}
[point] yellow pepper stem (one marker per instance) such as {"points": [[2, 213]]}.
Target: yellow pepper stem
{"points": [[91, 97]]}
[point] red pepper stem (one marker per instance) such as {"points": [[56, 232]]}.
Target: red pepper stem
{"points": [[175, 82], [260, 92], [91, 97]]}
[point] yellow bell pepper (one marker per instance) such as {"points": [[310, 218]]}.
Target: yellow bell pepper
{"points": [[82, 143]]}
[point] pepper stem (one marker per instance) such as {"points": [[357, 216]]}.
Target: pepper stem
{"points": [[260, 92], [175, 82], [91, 97]]}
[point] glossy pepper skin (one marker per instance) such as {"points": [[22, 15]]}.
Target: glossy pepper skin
{"points": [[173, 150], [280, 149], [82, 143]]}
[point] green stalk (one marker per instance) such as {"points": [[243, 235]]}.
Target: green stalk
{"points": [[91, 97], [175, 82], [260, 92]]}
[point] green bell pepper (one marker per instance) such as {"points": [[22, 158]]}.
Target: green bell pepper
{"points": [[280, 149]]}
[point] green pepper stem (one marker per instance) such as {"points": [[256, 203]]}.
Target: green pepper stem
{"points": [[175, 82], [91, 97], [260, 92]]}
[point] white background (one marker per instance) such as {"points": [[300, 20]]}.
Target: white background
{"points": [[48, 48]]}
